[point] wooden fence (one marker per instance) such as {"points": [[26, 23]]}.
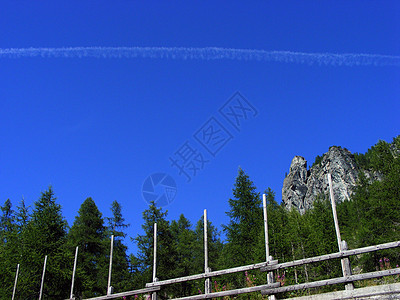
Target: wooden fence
{"points": [[275, 288], [270, 265]]}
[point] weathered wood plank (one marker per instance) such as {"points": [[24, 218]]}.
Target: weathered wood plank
{"points": [[332, 281], [232, 292], [331, 256], [42, 282], [15, 282], [212, 274], [154, 295], [346, 267], [73, 273], [369, 291], [128, 293]]}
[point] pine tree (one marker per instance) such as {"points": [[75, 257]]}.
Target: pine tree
{"points": [[8, 249], [245, 222], [88, 233], [6, 220], [45, 234], [120, 278], [321, 239], [165, 245], [22, 216], [215, 248], [297, 235], [136, 277], [184, 243], [375, 208], [277, 222]]}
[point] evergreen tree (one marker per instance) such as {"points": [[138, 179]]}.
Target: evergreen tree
{"points": [[277, 222], [321, 239], [215, 247], [22, 216], [8, 249], [6, 220], [375, 208], [88, 232], [245, 222], [165, 246], [136, 277], [184, 242], [120, 278], [297, 236], [45, 234]]}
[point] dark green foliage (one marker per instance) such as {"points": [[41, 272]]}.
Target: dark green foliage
{"points": [[8, 249], [371, 217], [322, 239], [361, 160], [88, 233], [165, 246], [6, 220], [214, 246], [120, 278], [45, 234], [244, 228], [318, 160], [184, 242], [22, 216], [245, 222], [374, 212]]}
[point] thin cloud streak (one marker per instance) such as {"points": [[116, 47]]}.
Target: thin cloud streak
{"points": [[208, 53]]}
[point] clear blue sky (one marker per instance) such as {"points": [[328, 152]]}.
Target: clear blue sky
{"points": [[97, 127]]}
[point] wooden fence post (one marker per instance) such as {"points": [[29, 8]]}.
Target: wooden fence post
{"points": [[109, 287], [346, 270], [266, 227], [207, 284], [154, 295], [268, 258], [41, 284], [335, 219], [346, 267], [73, 274], [15, 282]]}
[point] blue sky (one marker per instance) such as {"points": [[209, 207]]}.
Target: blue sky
{"points": [[97, 127]]}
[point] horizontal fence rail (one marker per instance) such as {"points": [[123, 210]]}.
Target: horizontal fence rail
{"points": [[274, 288], [269, 266], [124, 294], [212, 274], [232, 292], [326, 282], [331, 256], [358, 293]]}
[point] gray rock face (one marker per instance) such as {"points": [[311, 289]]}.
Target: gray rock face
{"points": [[301, 186], [295, 184]]}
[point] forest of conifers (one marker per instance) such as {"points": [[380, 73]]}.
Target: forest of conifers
{"points": [[371, 217]]}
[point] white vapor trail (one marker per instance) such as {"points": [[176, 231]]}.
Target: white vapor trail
{"points": [[208, 53]]}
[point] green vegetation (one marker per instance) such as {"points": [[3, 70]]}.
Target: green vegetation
{"points": [[317, 161], [371, 217]]}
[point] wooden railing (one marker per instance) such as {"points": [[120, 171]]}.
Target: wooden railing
{"points": [[274, 288], [268, 266]]}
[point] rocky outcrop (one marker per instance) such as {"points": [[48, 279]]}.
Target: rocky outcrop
{"points": [[302, 186], [295, 184]]}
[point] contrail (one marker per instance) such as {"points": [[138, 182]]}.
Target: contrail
{"points": [[207, 53]]}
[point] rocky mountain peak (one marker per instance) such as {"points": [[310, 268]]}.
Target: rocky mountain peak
{"points": [[302, 186]]}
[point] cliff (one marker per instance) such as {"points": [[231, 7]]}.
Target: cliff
{"points": [[302, 186]]}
